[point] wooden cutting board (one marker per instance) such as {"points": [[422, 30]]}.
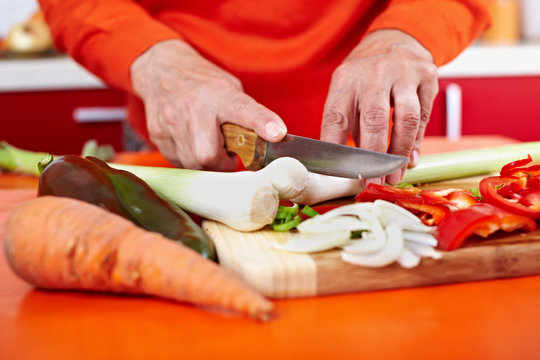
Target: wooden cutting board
{"points": [[279, 274]]}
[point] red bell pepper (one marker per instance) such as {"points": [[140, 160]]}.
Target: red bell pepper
{"points": [[481, 219], [511, 194], [430, 213], [454, 199], [516, 169], [374, 191], [517, 189]]}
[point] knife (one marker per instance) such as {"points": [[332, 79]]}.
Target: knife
{"points": [[317, 156]]}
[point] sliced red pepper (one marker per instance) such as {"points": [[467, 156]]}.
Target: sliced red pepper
{"points": [[454, 199], [374, 192], [430, 213], [511, 194], [462, 199], [481, 219], [509, 169], [516, 169]]}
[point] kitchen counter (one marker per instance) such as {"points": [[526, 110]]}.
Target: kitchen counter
{"points": [[496, 319], [59, 72]]}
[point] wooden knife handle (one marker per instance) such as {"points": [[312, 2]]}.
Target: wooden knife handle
{"points": [[245, 143]]}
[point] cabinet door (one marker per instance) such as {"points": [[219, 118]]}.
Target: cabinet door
{"points": [[44, 120], [508, 106]]}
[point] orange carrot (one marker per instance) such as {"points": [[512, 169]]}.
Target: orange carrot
{"points": [[64, 243]]}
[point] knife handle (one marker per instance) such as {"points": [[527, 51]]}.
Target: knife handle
{"points": [[245, 143]]}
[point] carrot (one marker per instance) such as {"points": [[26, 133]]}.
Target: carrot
{"points": [[64, 243]]}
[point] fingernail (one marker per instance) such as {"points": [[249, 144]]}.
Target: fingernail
{"points": [[376, 181], [273, 129], [393, 178], [414, 157]]}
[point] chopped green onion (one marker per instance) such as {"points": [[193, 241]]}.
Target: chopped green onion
{"points": [[284, 212], [356, 234], [287, 225], [286, 218], [309, 211]]}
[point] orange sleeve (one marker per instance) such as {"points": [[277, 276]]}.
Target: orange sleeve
{"points": [[444, 27], [104, 36]]}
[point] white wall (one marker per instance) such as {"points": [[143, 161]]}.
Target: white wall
{"points": [[13, 12]]}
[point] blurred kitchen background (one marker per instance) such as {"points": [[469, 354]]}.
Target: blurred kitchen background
{"points": [[492, 88]]}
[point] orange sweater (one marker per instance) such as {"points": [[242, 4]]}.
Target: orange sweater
{"points": [[282, 51]]}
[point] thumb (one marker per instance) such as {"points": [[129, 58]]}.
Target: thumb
{"points": [[246, 112]]}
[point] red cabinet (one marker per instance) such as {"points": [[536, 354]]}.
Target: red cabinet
{"points": [[44, 120], [508, 106]]}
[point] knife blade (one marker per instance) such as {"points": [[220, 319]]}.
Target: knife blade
{"points": [[317, 156]]}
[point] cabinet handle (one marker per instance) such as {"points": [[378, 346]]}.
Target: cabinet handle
{"points": [[453, 112], [86, 115]]}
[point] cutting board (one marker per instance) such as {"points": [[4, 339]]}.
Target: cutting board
{"points": [[280, 274]]}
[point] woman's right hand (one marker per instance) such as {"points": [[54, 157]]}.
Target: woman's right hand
{"points": [[187, 99]]}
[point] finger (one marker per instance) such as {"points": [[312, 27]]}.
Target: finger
{"points": [[167, 148], [176, 142], [374, 119], [406, 120], [426, 95], [156, 126], [209, 149], [339, 113], [243, 110]]}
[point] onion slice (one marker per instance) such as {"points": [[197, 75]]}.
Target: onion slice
{"points": [[387, 255]]}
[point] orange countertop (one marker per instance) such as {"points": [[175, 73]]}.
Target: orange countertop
{"points": [[498, 319]]}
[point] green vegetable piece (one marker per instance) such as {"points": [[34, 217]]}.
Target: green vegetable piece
{"points": [[287, 225], [286, 218], [309, 211], [20, 161]]}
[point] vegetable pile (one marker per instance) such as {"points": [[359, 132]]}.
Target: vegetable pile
{"points": [[382, 233], [403, 224], [92, 180], [56, 242], [508, 202]]}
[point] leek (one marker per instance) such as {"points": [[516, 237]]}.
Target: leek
{"points": [[20, 161], [460, 164], [246, 200], [15, 160]]}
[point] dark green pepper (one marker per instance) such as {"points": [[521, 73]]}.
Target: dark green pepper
{"points": [[92, 180]]}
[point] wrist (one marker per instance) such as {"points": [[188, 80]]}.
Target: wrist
{"points": [[156, 58], [386, 39]]}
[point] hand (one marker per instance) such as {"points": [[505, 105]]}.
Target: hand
{"points": [[387, 68], [187, 98]]}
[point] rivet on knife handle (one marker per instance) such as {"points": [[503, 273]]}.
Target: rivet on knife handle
{"points": [[246, 144]]}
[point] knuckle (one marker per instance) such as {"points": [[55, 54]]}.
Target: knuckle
{"points": [[242, 103], [225, 82], [430, 71], [343, 73], [410, 119], [376, 118], [425, 114], [336, 120], [206, 159]]}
